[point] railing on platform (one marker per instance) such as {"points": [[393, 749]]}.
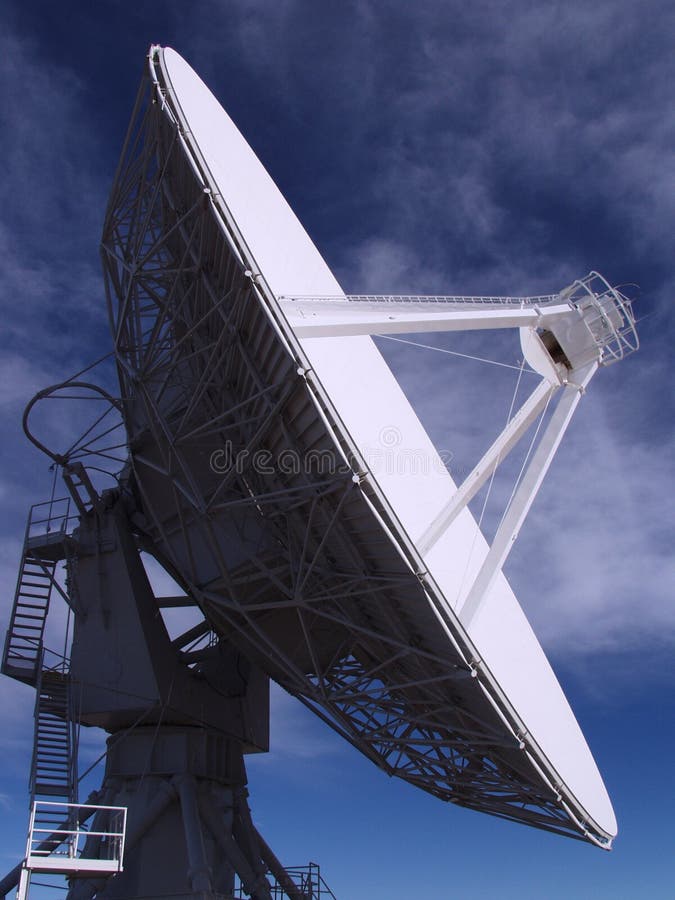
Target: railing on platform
{"points": [[440, 299], [308, 880], [51, 517], [59, 841]]}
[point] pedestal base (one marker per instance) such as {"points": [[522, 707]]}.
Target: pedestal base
{"points": [[189, 825]]}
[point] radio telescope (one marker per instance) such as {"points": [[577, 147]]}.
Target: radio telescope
{"points": [[252, 395]]}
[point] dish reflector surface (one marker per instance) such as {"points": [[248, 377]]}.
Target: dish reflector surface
{"points": [[520, 728]]}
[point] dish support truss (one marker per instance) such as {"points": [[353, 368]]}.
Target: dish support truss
{"points": [[307, 569]]}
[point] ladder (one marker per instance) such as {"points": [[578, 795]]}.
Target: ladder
{"points": [[57, 833], [23, 644], [46, 542], [54, 762], [53, 770]]}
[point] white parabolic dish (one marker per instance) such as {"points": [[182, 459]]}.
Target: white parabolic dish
{"points": [[369, 401]]}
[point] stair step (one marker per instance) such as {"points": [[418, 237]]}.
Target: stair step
{"points": [[50, 790], [31, 606], [53, 780], [52, 770]]}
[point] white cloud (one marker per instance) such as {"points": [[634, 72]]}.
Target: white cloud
{"points": [[294, 731], [20, 379], [596, 559]]}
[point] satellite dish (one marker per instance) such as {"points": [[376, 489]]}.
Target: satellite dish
{"points": [[256, 405]]}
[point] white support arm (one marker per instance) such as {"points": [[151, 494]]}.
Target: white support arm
{"points": [[499, 450], [526, 492], [589, 319], [341, 318]]}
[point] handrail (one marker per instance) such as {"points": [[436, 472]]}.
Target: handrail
{"points": [[58, 519], [520, 302], [47, 844]]}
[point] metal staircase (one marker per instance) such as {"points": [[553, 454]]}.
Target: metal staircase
{"points": [[53, 770], [23, 645], [46, 542], [57, 837]]}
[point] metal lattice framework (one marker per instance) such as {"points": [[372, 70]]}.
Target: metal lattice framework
{"points": [[248, 491]]}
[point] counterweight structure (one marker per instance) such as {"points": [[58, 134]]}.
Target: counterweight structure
{"points": [[248, 480]]}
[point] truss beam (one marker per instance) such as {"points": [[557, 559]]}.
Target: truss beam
{"points": [[495, 455], [337, 318], [525, 493]]}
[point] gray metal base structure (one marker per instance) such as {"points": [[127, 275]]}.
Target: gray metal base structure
{"points": [[181, 714], [189, 825]]}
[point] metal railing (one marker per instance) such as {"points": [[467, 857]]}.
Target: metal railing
{"points": [[308, 880], [50, 517], [520, 302], [608, 316], [58, 839]]}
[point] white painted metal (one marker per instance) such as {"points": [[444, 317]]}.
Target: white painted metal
{"points": [[590, 320], [525, 494], [496, 454], [62, 849], [339, 318], [352, 378], [537, 356]]}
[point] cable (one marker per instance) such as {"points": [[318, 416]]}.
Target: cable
{"points": [[489, 488], [492, 362], [525, 460]]}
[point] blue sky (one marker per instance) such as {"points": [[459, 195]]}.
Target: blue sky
{"points": [[431, 147]]}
